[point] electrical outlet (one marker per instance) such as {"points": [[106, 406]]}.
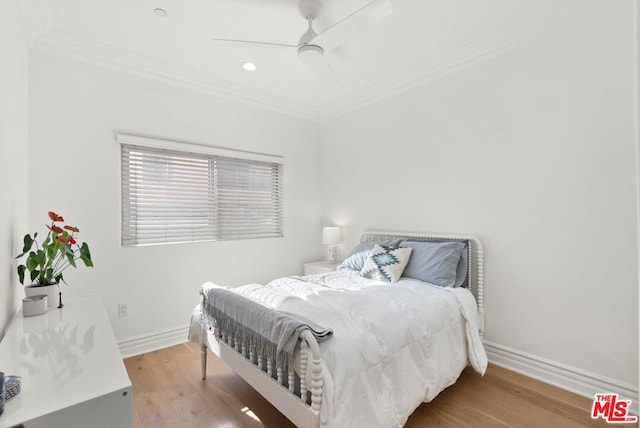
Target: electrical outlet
{"points": [[122, 310]]}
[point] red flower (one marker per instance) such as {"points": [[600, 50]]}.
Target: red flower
{"points": [[71, 240], [57, 229], [61, 238], [55, 217], [71, 228]]}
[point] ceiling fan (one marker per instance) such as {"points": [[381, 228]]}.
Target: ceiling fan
{"points": [[312, 46]]}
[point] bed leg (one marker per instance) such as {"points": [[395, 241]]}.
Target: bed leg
{"points": [[203, 340], [203, 360], [203, 349]]}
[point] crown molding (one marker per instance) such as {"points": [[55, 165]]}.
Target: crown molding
{"points": [[36, 18], [491, 46], [89, 51], [495, 44]]}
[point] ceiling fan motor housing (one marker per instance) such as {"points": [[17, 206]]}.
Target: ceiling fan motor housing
{"points": [[310, 53]]}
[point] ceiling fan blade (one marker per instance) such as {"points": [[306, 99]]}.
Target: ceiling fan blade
{"points": [[324, 72], [254, 42], [371, 13]]}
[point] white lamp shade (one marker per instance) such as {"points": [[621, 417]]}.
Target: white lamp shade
{"points": [[331, 235]]}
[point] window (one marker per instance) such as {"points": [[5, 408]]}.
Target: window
{"points": [[175, 192]]}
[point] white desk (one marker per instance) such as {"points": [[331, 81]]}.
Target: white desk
{"points": [[72, 371]]}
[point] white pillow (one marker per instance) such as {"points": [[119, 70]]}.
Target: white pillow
{"points": [[386, 263]]}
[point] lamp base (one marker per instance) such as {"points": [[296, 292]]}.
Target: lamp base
{"points": [[332, 253]]}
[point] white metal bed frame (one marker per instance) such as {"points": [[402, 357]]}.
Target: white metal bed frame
{"points": [[302, 405]]}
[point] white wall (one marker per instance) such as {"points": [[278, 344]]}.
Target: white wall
{"points": [[75, 109], [14, 166], [533, 152]]}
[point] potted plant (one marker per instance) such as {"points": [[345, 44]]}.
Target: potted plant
{"points": [[46, 262]]}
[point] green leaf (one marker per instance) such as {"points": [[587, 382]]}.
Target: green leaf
{"points": [[28, 243], [59, 278], [32, 261], [21, 270], [34, 274], [55, 244], [41, 257], [51, 252], [48, 277], [85, 255], [72, 262]]}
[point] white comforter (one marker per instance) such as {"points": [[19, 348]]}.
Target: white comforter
{"points": [[394, 345]]}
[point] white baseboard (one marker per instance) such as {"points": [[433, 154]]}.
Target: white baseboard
{"points": [[561, 375], [152, 342]]}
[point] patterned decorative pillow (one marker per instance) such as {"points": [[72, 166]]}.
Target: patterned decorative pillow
{"points": [[361, 253], [386, 263]]}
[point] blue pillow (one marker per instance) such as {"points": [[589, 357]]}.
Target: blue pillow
{"points": [[360, 254], [463, 268], [434, 262]]}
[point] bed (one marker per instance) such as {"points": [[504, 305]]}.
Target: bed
{"points": [[392, 345]]}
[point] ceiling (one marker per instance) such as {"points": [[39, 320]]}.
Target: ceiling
{"points": [[419, 42]]}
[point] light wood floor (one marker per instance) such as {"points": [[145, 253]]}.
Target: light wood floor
{"points": [[168, 392]]}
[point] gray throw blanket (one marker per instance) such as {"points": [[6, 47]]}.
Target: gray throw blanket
{"points": [[269, 332]]}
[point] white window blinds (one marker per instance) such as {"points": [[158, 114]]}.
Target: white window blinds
{"points": [[174, 196]]}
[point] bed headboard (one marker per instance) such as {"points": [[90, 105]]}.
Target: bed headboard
{"points": [[475, 258]]}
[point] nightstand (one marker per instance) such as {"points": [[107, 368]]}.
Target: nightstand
{"points": [[319, 267]]}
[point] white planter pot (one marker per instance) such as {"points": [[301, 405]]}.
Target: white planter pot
{"points": [[50, 290]]}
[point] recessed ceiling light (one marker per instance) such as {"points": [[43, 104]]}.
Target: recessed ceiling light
{"points": [[160, 12], [249, 66]]}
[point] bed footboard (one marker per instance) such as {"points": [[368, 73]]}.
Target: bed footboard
{"points": [[299, 398]]}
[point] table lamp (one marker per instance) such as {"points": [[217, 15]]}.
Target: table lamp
{"points": [[331, 237]]}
